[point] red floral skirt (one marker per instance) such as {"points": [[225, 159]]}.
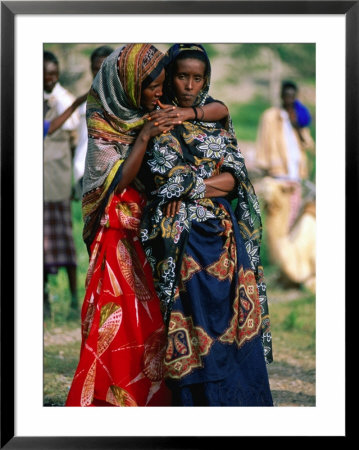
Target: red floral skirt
{"points": [[123, 336]]}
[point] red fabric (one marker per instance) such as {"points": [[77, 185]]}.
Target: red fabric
{"points": [[123, 336]]}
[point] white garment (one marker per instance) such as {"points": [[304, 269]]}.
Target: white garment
{"points": [[57, 147], [294, 157], [59, 100], [81, 149]]}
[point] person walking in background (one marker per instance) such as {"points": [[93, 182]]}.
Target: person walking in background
{"points": [[282, 141], [97, 58], [59, 247]]}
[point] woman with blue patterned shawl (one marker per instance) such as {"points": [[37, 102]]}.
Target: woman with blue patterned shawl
{"points": [[205, 256]]}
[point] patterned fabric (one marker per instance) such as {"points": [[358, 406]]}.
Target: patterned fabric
{"points": [[174, 168], [59, 246], [206, 267], [214, 355], [114, 118], [245, 385], [123, 336]]}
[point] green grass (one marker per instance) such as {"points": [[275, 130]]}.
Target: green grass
{"points": [[293, 326], [246, 116], [55, 361]]}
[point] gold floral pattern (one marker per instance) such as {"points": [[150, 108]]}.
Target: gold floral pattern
{"points": [[185, 347], [224, 267], [246, 321], [189, 267]]}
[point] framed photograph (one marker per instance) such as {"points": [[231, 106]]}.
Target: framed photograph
{"points": [[332, 26]]}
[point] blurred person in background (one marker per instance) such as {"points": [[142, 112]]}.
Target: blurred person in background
{"points": [[50, 126], [282, 142], [97, 58], [59, 247]]}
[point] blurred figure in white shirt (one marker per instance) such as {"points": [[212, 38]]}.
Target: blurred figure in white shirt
{"points": [[97, 58]]}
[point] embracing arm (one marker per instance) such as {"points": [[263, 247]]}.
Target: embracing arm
{"points": [[211, 112], [219, 185], [133, 162], [216, 186]]}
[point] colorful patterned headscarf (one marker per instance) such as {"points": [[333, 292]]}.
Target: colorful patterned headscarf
{"points": [[114, 118]]}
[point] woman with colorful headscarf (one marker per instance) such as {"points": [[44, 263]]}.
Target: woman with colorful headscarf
{"points": [[122, 327], [205, 257]]}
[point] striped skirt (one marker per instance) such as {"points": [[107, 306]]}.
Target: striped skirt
{"points": [[59, 246]]}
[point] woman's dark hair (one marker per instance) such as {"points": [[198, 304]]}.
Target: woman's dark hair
{"points": [[193, 54], [50, 57]]}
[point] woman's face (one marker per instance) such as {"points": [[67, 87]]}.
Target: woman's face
{"points": [[188, 80], [153, 92]]}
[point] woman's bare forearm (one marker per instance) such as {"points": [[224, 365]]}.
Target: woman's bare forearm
{"points": [[211, 112], [221, 184]]}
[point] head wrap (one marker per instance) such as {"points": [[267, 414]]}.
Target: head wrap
{"points": [[192, 50], [114, 118]]}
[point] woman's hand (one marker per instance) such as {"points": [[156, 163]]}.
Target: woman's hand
{"points": [[132, 164], [175, 112], [172, 112], [153, 128], [172, 208]]}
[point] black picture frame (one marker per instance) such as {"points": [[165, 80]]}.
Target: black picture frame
{"points": [[9, 9]]}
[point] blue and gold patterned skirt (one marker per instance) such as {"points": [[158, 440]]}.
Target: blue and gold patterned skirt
{"points": [[215, 353]]}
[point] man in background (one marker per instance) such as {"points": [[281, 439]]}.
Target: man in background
{"points": [[59, 247], [282, 141]]}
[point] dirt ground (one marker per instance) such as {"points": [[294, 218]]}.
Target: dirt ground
{"points": [[291, 375]]}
